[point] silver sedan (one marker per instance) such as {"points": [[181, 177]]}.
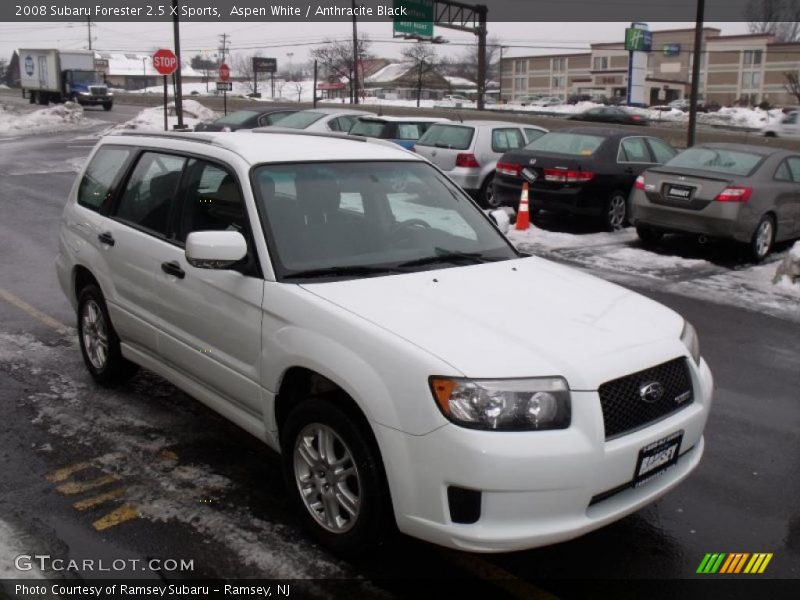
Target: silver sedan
{"points": [[746, 193]]}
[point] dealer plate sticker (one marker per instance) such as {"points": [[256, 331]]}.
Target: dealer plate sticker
{"points": [[657, 457]]}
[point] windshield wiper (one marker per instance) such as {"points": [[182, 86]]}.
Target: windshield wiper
{"points": [[340, 272], [448, 256]]}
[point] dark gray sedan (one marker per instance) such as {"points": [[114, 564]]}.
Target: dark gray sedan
{"points": [[750, 194]]}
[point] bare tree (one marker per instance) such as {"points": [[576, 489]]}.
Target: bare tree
{"points": [[792, 84], [297, 87], [780, 18], [335, 59], [243, 67], [466, 65], [423, 60]]}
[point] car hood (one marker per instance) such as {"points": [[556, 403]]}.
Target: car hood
{"points": [[517, 318]]}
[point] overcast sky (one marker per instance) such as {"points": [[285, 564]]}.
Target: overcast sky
{"points": [[279, 39]]}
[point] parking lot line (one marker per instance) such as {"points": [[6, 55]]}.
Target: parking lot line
{"points": [[65, 472], [72, 488], [98, 500], [34, 312], [117, 517], [483, 569]]}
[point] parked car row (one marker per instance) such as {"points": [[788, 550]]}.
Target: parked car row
{"points": [[746, 193], [750, 194]]}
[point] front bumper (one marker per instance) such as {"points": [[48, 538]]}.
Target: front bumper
{"points": [[537, 488], [94, 100]]}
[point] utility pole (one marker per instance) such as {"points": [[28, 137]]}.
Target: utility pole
{"points": [[178, 88], [355, 56], [500, 93], [89, 30], [223, 49], [314, 91], [481, 10], [698, 53]]}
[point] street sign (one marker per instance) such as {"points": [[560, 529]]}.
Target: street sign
{"points": [[418, 19], [224, 72], [165, 61], [264, 65], [224, 86]]}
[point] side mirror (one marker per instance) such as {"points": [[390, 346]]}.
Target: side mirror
{"points": [[215, 249]]}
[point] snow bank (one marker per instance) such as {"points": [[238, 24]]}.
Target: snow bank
{"points": [[787, 275], [12, 545], [60, 117], [152, 119]]}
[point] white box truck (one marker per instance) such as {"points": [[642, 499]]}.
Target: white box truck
{"points": [[60, 76]]}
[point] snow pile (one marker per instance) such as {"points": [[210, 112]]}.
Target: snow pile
{"points": [[787, 275], [152, 119], [12, 545], [60, 117]]}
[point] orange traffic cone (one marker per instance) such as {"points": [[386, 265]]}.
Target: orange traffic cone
{"points": [[524, 216]]}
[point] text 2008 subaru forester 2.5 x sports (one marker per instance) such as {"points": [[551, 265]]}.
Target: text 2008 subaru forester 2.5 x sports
{"points": [[337, 299]]}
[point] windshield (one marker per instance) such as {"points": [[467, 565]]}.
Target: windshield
{"points": [[717, 160], [301, 120], [237, 118], [86, 77], [370, 218], [574, 144]]}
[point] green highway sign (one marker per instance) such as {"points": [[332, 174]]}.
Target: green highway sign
{"points": [[414, 17]]}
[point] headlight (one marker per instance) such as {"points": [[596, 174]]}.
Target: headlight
{"points": [[504, 404], [691, 341], [84, 93]]}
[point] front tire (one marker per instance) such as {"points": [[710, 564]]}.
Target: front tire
{"points": [[763, 239], [107, 105], [334, 477], [615, 215], [98, 340]]}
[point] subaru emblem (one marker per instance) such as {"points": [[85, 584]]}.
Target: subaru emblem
{"points": [[651, 392]]}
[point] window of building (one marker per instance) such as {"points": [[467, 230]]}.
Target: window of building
{"points": [[751, 80], [559, 65], [600, 63], [752, 57], [559, 81], [520, 67]]}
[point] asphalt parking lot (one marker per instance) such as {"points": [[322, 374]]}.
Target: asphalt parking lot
{"points": [[146, 471]]}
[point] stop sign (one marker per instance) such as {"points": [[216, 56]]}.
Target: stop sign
{"points": [[165, 61], [224, 72]]}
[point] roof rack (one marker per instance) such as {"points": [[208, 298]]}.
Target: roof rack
{"points": [[171, 135], [289, 130]]}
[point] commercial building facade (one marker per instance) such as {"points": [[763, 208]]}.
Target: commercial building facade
{"points": [[743, 69]]}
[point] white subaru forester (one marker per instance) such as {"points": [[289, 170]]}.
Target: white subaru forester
{"points": [[337, 298]]}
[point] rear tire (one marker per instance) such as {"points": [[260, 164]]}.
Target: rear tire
{"points": [[648, 236], [99, 342], [763, 239], [615, 215], [486, 195], [334, 477]]}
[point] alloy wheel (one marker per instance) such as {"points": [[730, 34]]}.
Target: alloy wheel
{"points": [[95, 334]]}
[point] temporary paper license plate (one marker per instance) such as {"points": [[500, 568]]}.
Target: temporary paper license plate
{"points": [[657, 457]]}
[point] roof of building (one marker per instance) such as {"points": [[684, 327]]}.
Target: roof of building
{"points": [[389, 73], [724, 38]]}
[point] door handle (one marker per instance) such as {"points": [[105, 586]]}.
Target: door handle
{"points": [[106, 238], [174, 269]]}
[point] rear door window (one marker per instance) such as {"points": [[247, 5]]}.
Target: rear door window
{"points": [[106, 167], [147, 199], [506, 139], [793, 162], [408, 131], [533, 134], [633, 150]]}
